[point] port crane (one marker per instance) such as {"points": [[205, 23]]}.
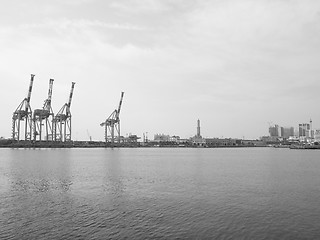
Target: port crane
{"points": [[62, 121], [112, 124], [23, 113], [44, 114]]}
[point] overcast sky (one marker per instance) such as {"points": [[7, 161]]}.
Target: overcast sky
{"points": [[234, 64]]}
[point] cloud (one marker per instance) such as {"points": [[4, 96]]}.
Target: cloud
{"points": [[215, 59]]}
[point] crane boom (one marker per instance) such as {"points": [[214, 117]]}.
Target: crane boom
{"points": [[29, 93], [47, 104], [120, 103], [50, 90], [70, 97]]}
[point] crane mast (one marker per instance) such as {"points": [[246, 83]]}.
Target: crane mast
{"points": [[23, 113]]}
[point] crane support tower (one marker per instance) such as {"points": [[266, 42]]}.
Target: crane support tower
{"points": [[112, 124], [23, 113], [45, 114], [62, 121]]}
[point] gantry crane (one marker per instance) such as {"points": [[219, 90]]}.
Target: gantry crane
{"points": [[23, 113], [62, 121], [112, 123], [46, 114]]}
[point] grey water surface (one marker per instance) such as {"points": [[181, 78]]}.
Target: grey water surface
{"points": [[159, 193]]}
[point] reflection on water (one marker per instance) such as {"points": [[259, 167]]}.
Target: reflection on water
{"points": [[47, 170], [159, 193]]}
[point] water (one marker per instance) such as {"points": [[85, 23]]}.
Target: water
{"points": [[247, 193]]}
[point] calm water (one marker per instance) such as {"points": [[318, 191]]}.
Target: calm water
{"points": [[251, 193]]}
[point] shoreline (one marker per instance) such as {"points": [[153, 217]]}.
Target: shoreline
{"points": [[100, 144], [88, 144]]}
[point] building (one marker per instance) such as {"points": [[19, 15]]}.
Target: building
{"points": [[175, 139], [317, 135], [161, 138], [304, 130], [197, 140], [287, 132], [220, 142], [269, 140], [198, 129], [275, 131]]}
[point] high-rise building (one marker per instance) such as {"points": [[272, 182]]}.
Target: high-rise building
{"points": [[317, 135], [287, 132], [197, 139], [304, 129], [311, 130], [275, 131]]}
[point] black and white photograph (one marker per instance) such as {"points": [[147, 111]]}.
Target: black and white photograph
{"points": [[159, 119]]}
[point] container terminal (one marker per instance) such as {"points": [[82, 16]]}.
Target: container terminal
{"points": [[42, 128]]}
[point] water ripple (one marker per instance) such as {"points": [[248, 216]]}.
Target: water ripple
{"points": [[159, 194]]}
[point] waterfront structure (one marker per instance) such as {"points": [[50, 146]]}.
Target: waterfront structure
{"points": [[45, 114], [23, 113], [132, 140], [112, 124], [62, 121], [218, 142], [166, 138], [270, 140], [161, 138], [175, 139], [197, 139], [41, 124]]}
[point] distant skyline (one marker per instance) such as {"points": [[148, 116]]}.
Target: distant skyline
{"points": [[234, 64]]}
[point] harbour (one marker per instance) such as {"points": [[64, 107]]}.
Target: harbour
{"points": [[149, 193], [159, 120]]}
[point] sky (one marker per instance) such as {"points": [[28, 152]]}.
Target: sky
{"points": [[237, 65]]}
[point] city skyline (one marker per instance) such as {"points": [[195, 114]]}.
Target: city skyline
{"points": [[235, 65]]}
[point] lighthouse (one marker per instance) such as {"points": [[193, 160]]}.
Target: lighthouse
{"points": [[198, 129]]}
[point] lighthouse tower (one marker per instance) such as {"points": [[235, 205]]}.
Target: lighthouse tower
{"points": [[198, 129], [197, 140]]}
